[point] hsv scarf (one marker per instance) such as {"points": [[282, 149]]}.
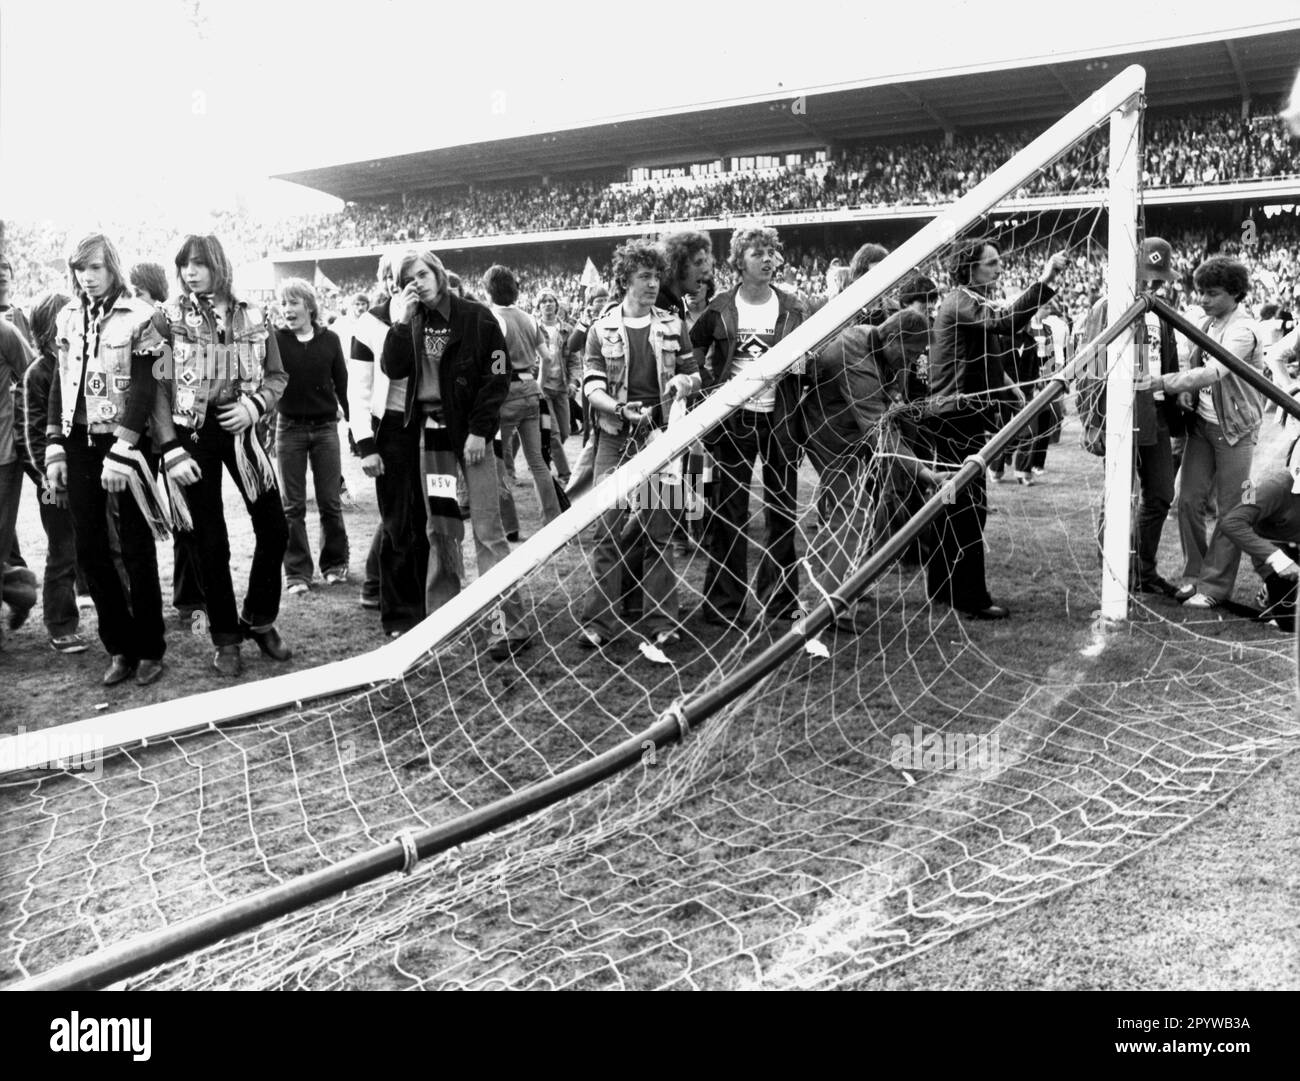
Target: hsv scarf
{"points": [[439, 472]]}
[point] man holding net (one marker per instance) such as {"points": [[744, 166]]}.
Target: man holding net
{"points": [[636, 365], [865, 466], [968, 383]]}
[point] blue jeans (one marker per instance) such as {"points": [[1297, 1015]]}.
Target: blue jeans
{"points": [[520, 412], [609, 558], [296, 444], [558, 403], [446, 573]]}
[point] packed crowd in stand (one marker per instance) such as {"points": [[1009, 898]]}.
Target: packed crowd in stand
{"points": [[1213, 148], [1205, 148]]}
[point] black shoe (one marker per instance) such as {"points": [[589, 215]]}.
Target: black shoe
{"points": [[227, 661], [269, 642], [1156, 584], [148, 672], [992, 611], [508, 647], [1184, 593], [513, 536], [18, 616], [121, 669]]}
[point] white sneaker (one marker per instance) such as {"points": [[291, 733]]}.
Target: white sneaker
{"points": [[1200, 600], [335, 578], [297, 588]]}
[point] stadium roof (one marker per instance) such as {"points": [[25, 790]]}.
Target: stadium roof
{"points": [[1180, 74]]}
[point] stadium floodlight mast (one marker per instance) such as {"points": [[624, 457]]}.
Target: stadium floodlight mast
{"points": [[204, 711]]}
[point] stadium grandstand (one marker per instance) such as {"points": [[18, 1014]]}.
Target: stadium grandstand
{"points": [[833, 166]]}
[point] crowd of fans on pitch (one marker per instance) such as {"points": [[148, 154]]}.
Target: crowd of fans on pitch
{"points": [[103, 434]]}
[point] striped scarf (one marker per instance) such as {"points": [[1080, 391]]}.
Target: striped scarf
{"points": [[447, 530]]}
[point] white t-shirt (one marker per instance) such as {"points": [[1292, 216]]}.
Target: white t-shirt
{"points": [[755, 335]]}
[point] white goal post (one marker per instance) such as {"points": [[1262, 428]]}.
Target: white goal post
{"points": [[1117, 102]]}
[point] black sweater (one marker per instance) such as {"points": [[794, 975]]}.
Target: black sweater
{"points": [[318, 376]]}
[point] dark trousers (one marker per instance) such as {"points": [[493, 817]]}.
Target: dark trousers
{"points": [[1032, 451], [954, 568], [11, 490], [404, 547], [214, 451], [59, 586], [131, 626], [776, 584], [59, 534], [370, 587], [187, 583], [1155, 474]]}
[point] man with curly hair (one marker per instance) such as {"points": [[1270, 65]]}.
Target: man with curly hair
{"points": [[1222, 432], [636, 363]]}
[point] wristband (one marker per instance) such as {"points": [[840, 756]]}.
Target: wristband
{"points": [[117, 465], [174, 459]]}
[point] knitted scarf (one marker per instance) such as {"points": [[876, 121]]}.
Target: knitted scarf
{"points": [[439, 480], [256, 475]]}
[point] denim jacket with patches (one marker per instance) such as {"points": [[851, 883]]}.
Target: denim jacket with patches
{"points": [[605, 364], [117, 382], [207, 368]]}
